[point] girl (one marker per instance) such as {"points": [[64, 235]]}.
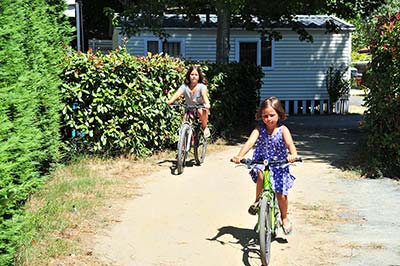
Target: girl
{"points": [[272, 142], [195, 91]]}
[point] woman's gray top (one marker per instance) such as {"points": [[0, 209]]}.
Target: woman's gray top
{"points": [[190, 98]]}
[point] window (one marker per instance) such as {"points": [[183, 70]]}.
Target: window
{"points": [[174, 48], [266, 53], [152, 47], [255, 51], [248, 53]]}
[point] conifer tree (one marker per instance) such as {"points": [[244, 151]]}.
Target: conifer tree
{"points": [[32, 34]]}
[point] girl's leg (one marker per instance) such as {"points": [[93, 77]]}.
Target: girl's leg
{"points": [[260, 183], [259, 186], [283, 203]]}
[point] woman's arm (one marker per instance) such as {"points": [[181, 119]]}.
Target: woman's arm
{"points": [[204, 94], [247, 146], [287, 137], [174, 97]]}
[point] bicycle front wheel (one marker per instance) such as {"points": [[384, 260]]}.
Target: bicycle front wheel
{"points": [[200, 147], [265, 231], [182, 144]]}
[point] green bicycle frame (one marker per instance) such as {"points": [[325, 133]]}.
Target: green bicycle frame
{"points": [[269, 193]]}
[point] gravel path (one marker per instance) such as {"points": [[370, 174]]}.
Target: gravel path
{"points": [[200, 217]]}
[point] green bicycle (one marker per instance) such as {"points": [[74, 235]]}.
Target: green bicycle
{"points": [[268, 214]]}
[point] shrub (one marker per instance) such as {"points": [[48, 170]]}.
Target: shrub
{"points": [[235, 96], [382, 118], [115, 103], [336, 84]]}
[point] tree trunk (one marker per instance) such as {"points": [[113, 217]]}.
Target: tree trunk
{"points": [[223, 32]]}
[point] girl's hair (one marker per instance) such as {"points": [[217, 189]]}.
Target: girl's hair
{"points": [[274, 103], [202, 78]]}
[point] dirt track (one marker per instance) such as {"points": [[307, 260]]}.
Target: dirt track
{"points": [[200, 217]]}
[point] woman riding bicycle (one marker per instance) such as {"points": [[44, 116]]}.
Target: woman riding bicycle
{"points": [[272, 142], [195, 91]]}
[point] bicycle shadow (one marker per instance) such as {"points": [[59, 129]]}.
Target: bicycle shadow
{"points": [[246, 238], [173, 168]]}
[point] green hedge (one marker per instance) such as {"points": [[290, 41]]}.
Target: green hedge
{"points": [[382, 118], [115, 103], [235, 96], [31, 35], [118, 102]]}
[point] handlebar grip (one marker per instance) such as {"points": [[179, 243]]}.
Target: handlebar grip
{"points": [[245, 161]]}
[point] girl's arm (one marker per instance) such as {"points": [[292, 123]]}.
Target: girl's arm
{"points": [[287, 137], [247, 146], [204, 94], [174, 97]]}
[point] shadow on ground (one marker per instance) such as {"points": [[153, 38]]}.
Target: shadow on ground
{"points": [[335, 139], [246, 238]]}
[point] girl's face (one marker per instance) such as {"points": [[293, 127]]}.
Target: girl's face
{"points": [[194, 77], [269, 116]]}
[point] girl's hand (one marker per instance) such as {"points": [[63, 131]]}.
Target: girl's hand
{"points": [[207, 106], [291, 158], [169, 102], [236, 159]]}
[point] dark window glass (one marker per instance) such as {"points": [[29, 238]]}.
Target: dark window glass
{"points": [[266, 53], [172, 48], [152, 47], [248, 53]]}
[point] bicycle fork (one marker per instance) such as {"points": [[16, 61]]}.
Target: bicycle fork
{"points": [[189, 137], [272, 205], [189, 140]]}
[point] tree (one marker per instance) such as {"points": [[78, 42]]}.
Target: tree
{"points": [[148, 14], [30, 65], [365, 26]]}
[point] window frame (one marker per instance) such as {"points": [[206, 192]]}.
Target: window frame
{"points": [[258, 41], [160, 45]]}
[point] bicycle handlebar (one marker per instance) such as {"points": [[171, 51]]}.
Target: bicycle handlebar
{"points": [[266, 163], [196, 106]]}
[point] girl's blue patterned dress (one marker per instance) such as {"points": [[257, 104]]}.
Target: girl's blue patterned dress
{"points": [[273, 147]]}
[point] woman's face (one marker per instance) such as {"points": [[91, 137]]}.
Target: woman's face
{"points": [[269, 116], [194, 77]]}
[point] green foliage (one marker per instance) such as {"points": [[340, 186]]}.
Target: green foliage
{"points": [[365, 27], [358, 57], [382, 118], [30, 52], [234, 94], [336, 83], [120, 102]]}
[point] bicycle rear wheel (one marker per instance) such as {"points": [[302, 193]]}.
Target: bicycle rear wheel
{"points": [[200, 147], [182, 144], [265, 231]]}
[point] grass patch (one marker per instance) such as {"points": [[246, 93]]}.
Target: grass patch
{"points": [[75, 201]]}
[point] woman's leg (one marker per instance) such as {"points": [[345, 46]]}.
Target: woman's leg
{"points": [[203, 115]]}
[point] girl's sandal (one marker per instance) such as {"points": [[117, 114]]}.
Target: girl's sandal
{"points": [[288, 229], [207, 132], [253, 209]]}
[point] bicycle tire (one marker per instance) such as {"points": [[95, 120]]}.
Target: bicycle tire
{"points": [[182, 152], [265, 233], [200, 147]]}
